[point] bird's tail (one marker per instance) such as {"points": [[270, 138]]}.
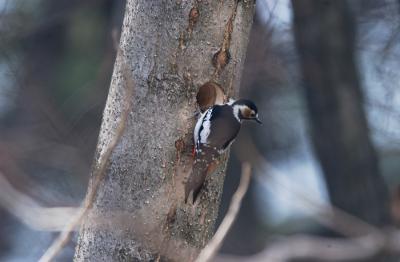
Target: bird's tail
{"points": [[204, 164]]}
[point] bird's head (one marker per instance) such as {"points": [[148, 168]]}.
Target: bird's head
{"points": [[245, 109]]}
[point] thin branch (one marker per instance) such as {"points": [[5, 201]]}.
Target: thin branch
{"points": [[215, 243], [30, 212], [99, 173], [324, 213], [328, 249], [312, 247]]}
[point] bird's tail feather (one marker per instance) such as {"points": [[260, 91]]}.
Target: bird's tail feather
{"points": [[203, 165]]}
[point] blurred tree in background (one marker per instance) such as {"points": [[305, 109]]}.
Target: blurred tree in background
{"points": [[325, 37], [56, 61]]}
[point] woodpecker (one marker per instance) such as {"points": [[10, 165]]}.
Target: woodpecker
{"points": [[214, 132]]}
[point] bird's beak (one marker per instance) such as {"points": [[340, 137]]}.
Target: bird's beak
{"points": [[258, 120]]}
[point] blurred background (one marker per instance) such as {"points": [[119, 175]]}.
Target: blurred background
{"points": [[325, 78]]}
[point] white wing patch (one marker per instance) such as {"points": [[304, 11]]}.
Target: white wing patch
{"points": [[196, 132], [205, 132], [202, 128]]}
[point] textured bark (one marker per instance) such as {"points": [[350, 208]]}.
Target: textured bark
{"points": [[324, 33], [171, 49]]}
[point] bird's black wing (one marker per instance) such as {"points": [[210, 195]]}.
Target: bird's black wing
{"points": [[224, 127]]}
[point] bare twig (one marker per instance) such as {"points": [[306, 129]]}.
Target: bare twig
{"points": [[215, 243], [324, 213], [98, 173], [328, 249], [30, 212], [312, 247]]}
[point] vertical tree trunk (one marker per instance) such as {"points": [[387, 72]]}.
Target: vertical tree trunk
{"points": [[324, 33], [168, 46]]}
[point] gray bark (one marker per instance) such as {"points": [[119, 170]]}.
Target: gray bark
{"points": [[169, 46]]}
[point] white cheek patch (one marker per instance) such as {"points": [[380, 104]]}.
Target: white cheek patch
{"points": [[231, 101], [236, 109]]}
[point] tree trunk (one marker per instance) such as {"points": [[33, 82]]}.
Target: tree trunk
{"points": [[324, 32], [171, 48]]}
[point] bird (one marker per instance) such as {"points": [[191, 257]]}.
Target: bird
{"points": [[214, 132]]}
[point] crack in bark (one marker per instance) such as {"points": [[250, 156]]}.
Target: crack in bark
{"points": [[186, 35], [219, 60], [222, 57], [183, 166]]}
